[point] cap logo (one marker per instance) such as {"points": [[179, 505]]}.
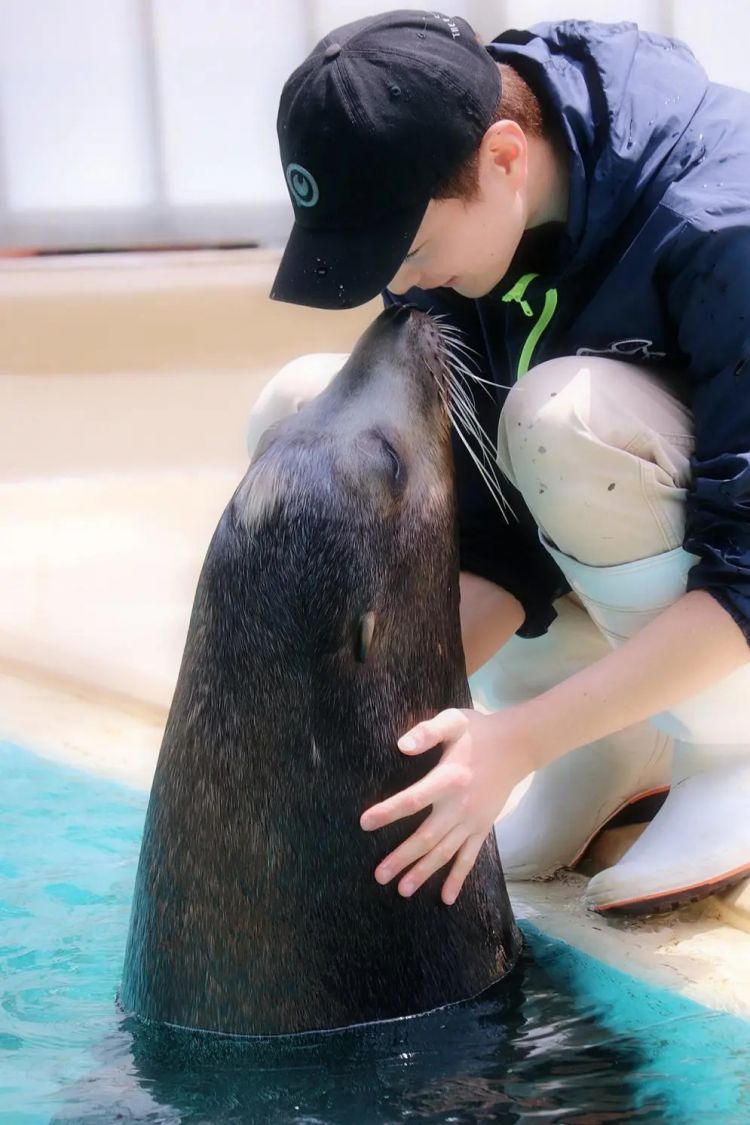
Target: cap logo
{"points": [[452, 25], [302, 185]]}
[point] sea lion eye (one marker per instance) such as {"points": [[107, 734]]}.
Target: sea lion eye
{"points": [[389, 467], [393, 458]]}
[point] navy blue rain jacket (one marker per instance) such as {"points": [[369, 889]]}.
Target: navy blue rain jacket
{"points": [[652, 266]]}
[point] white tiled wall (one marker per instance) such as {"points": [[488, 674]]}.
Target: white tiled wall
{"points": [[140, 121]]}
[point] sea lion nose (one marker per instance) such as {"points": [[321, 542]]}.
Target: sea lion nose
{"points": [[402, 313]]}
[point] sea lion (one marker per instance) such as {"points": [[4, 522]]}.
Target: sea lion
{"points": [[325, 624]]}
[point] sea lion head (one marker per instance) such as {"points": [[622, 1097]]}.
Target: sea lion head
{"points": [[366, 469], [380, 427]]}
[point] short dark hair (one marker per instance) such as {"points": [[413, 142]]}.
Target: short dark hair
{"points": [[518, 103]]}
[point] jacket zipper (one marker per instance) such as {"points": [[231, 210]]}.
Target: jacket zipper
{"points": [[517, 294]]}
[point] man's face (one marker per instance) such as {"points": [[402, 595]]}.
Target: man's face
{"points": [[469, 246], [459, 246]]}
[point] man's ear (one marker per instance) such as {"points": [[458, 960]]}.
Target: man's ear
{"points": [[506, 143]]}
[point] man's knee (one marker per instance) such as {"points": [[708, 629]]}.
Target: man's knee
{"points": [[572, 409], [290, 388], [539, 416]]}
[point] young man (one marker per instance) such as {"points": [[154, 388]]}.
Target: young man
{"points": [[576, 199]]}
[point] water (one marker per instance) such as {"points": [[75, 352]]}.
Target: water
{"points": [[565, 1040]]}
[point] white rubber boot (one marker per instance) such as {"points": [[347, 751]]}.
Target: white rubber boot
{"points": [[570, 801], [552, 817], [699, 841]]}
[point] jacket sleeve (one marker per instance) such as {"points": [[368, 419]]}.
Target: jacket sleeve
{"points": [[504, 551], [708, 294]]}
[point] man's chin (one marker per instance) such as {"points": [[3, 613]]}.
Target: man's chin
{"points": [[472, 289]]}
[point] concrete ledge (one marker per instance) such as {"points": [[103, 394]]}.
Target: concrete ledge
{"points": [[122, 363], [692, 952], [99, 573], [158, 312]]}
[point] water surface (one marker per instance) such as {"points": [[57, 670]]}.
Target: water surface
{"points": [[565, 1039]]}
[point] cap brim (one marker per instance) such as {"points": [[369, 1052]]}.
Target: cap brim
{"points": [[340, 269]]}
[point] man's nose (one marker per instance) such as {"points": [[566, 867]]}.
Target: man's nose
{"points": [[406, 278]]}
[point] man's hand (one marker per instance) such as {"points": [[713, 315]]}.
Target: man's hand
{"points": [[689, 646], [483, 759]]}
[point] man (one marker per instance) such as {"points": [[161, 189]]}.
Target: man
{"points": [[576, 200]]}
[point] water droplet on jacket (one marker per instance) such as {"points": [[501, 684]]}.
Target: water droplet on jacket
{"points": [[321, 267]]}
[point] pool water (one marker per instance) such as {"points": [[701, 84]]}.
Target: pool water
{"points": [[565, 1039]]}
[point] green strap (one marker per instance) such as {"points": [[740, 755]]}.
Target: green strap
{"points": [[550, 304]]}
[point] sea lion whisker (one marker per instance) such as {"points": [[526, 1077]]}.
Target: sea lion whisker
{"points": [[457, 339], [457, 342], [485, 382], [454, 338], [458, 367], [463, 413], [463, 393], [454, 335], [463, 404], [486, 465], [485, 449], [459, 361], [468, 410], [468, 407], [442, 376], [489, 382], [458, 364], [455, 349], [489, 480]]}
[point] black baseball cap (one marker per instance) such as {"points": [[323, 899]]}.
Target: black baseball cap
{"points": [[379, 113]]}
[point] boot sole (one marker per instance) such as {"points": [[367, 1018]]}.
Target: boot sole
{"points": [[664, 901]]}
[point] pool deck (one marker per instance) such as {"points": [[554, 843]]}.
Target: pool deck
{"points": [[124, 390]]}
